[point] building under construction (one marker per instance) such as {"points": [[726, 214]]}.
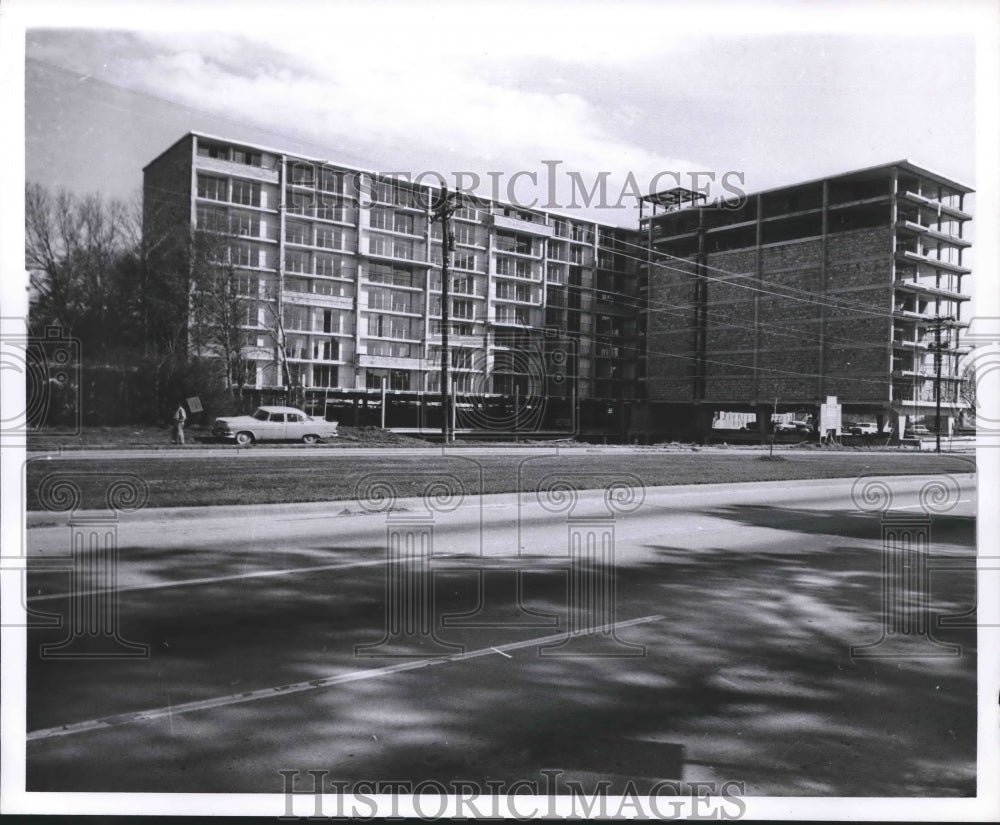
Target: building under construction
{"points": [[843, 286], [834, 287]]}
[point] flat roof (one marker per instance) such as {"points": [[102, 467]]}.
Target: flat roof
{"points": [[870, 171], [387, 175]]}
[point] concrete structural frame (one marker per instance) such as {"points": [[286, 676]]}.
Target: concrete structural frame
{"points": [[832, 287], [339, 270], [839, 286]]}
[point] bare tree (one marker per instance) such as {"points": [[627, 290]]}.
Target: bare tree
{"points": [[276, 327], [75, 249], [221, 303], [967, 393]]}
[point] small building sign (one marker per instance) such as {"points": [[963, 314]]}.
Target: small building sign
{"points": [[830, 416], [194, 404]]}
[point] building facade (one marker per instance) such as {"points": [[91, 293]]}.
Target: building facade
{"points": [[338, 274], [834, 287]]}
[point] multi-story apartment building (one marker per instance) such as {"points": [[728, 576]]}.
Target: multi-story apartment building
{"points": [[832, 287], [339, 275]]}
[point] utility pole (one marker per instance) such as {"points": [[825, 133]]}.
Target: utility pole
{"points": [[443, 211], [939, 323]]}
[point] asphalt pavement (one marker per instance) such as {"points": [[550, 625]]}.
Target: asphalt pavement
{"points": [[707, 633]]}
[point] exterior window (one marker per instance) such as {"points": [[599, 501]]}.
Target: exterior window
{"points": [[331, 288], [513, 292], [391, 247], [247, 285], [513, 268], [515, 243], [465, 234], [301, 173], [332, 181], [300, 233], [296, 261], [330, 209], [241, 255], [299, 203], [513, 315], [246, 157], [403, 223], [324, 375], [295, 317], [212, 188], [391, 193], [246, 225], [326, 350], [380, 245], [385, 274], [252, 316], [390, 349], [213, 150], [329, 238], [381, 218], [390, 299], [328, 320], [391, 326], [246, 193], [211, 219], [330, 265], [462, 309], [465, 260]]}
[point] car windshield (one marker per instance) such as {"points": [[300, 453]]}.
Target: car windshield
{"points": [[260, 415]]}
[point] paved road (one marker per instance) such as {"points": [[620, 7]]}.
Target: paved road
{"points": [[715, 645]]}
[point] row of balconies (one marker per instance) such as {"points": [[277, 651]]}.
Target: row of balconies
{"points": [[908, 226], [307, 176], [945, 208], [910, 257]]}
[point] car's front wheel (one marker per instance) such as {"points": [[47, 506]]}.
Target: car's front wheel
{"points": [[310, 439], [244, 439]]}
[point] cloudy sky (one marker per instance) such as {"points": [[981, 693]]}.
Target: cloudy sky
{"points": [[778, 92]]}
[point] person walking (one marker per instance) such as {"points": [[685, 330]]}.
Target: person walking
{"points": [[180, 418]]}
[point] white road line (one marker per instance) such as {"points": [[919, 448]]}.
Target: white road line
{"points": [[314, 684], [915, 506]]}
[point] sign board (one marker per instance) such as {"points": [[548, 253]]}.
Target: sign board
{"points": [[194, 404], [830, 416]]}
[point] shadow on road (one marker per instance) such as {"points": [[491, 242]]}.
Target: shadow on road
{"points": [[748, 677]]}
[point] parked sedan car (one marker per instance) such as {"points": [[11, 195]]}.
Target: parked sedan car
{"points": [[274, 424]]}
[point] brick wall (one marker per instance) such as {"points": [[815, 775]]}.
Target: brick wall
{"points": [[852, 351], [166, 190]]}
